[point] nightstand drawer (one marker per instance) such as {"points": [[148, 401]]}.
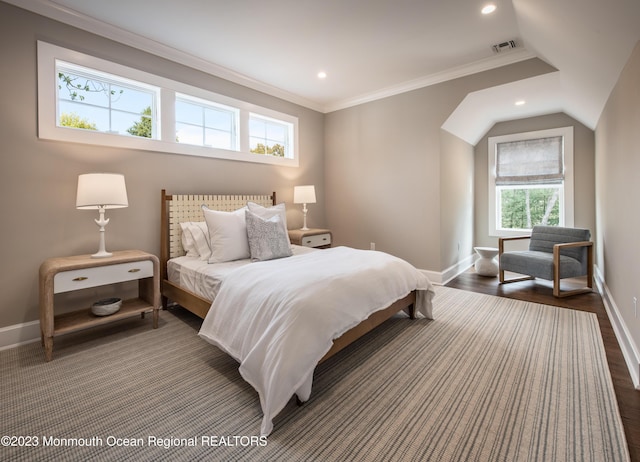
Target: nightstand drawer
{"points": [[66, 281], [317, 240]]}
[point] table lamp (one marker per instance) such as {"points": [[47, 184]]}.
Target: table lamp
{"points": [[304, 195], [101, 191]]}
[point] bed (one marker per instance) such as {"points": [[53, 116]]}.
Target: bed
{"points": [[295, 312]]}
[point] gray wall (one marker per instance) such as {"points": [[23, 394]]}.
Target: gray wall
{"points": [[384, 167], [38, 178], [618, 216], [583, 165], [456, 197]]}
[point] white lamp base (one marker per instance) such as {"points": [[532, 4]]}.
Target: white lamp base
{"points": [[304, 220], [102, 252]]}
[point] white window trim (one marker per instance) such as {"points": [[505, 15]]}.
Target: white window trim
{"points": [[567, 134], [48, 129]]}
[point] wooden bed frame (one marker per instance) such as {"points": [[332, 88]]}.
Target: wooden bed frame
{"points": [[177, 209]]}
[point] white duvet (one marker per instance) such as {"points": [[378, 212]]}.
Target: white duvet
{"points": [[278, 318]]}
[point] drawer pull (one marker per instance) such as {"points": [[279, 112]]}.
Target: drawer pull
{"points": [[80, 278], [134, 270]]}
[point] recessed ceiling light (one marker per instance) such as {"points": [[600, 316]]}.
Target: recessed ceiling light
{"points": [[322, 75], [488, 9], [520, 102]]}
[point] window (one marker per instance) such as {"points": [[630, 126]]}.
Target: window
{"points": [[92, 100], [84, 99], [205, 123], [530, 181], [269, 136]]}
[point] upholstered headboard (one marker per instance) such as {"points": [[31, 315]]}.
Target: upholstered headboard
{"points": [[179, 208]]}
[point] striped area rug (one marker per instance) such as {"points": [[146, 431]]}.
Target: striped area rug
{"points": [[490, 379]]}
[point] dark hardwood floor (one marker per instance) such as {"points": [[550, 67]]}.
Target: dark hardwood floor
{"points": [[540, 291]]}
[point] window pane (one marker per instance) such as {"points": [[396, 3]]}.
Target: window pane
{"points": [[189, 134], [91, 100], [84, 90], [188, 113], [269, 137], [128, 99], [257, 128], [221, 120], [125, 123], [276, 133], [205, 124], [122, 121], [523, 208], [257, 145], [217, 139], [77, 115]]}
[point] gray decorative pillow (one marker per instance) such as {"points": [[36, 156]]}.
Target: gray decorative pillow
{"points": [[268, 212], [267, 237]]}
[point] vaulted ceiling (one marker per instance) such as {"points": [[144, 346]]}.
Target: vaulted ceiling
{"points": [[375, 48]]}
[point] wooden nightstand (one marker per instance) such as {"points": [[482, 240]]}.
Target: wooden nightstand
{"points": [[66, 274], [318, 238]]}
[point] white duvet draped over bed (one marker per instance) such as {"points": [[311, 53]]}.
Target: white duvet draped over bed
{"points": [[278, 318]]}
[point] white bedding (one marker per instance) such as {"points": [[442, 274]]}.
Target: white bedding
{"points": [[278, 318], [203, 278]]}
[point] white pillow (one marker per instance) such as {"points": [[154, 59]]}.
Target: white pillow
{"points": [[268, 212], [227, 234], [267, 238], [188, 243], [200, 234], [195, 239]]}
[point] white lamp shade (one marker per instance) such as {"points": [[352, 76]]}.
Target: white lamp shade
{"points": [[304, 194], [105, 190]]}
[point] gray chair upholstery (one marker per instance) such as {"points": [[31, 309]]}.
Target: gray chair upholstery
{"points": [[554, 253]]}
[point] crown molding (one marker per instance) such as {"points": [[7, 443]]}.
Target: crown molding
{"points": [[503, 59]]}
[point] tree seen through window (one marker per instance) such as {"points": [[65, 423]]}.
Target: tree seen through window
{"points": [[523, 208]]}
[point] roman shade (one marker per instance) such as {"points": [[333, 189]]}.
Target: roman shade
{"points": [[535, 161]]}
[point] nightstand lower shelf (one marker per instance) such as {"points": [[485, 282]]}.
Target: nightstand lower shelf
{"points": [[83, 319]]}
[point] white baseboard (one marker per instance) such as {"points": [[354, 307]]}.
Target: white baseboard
{"points": [[19, 334], [443, 277], [457, 269], [627, 345]]}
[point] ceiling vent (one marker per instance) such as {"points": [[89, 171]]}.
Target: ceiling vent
{"points": [[504, 46]]}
